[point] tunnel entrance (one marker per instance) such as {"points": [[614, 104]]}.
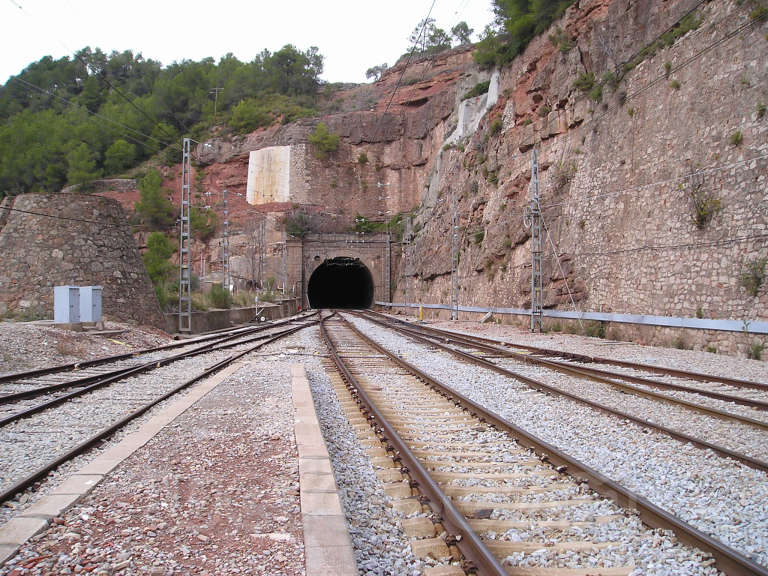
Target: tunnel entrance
{"points": [[341, 283]]}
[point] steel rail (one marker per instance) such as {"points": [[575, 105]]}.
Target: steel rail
{"points": [[28, 481], [479, 341], [730, 561], [538, 385], [699, 376], [116, 357], [85, 380], [468, 542], [602, 376], [122, 374]]}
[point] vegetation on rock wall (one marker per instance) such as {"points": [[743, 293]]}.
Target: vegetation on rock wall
{"points": [[71, 120], [517, 23]]}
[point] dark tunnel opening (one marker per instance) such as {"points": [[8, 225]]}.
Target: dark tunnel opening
{"points": [[341, 283]]}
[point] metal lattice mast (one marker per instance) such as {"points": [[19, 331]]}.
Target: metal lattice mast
{"points": [[534, 223], [225, 280], [454, 258], [185, 299]]}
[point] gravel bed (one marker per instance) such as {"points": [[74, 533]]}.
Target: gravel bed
{"points": [[718, 496], [28, 444], [694, 361], [216, 492], [738, 436], [629, 543], [380, 546], [29, 345]]}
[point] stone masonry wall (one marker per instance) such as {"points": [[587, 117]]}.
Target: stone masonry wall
{"points": [[618, 174], [85, 241]]}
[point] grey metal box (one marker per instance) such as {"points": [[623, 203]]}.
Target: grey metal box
{"points": [[90, 304], [66, 304]]}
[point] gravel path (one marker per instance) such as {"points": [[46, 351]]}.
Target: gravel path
{"points": [[718, 496], [216, 492]]}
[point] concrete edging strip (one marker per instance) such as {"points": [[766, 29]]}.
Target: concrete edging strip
{"points": [[19, 529], [327, 545]]}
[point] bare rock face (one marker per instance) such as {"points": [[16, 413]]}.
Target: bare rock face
{"points": [[72, 239]]}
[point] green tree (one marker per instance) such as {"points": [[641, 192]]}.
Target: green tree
{"points": [[81, 165], [462, 33], [323, 142], [119, 156], [376, 71], [157, 262], [427, 38], [154, 209]]}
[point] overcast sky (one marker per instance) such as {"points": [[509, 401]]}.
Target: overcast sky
{"points": [[352, 35]]}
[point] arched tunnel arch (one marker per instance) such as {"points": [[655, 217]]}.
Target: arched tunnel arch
{"points": [[340, 283]]}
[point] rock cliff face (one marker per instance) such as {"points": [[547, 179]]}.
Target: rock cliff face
{"points": [[652, 171], [654, 195]]}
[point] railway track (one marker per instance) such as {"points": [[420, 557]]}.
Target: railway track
{"points": [[37, 439], [507, 501], [736, 390], [686, 419]]}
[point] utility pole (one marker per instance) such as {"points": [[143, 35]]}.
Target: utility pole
{"points": [[225, 242], [185, 297], [285, 250], [215, 92], [532, 221], [262, 249], [454, 257]]}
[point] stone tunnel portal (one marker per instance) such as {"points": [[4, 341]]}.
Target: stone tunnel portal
{"points": [[340, 283]]}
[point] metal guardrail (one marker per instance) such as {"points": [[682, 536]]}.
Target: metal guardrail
{"points": [[750, 327]]}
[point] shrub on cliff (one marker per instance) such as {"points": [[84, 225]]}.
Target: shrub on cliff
{"points": [[520, 21], [324, 143], [154, 209]]}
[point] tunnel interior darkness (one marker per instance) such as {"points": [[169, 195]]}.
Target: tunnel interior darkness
{"points": [[341, 283]]}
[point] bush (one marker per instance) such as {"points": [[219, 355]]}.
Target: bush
{"points": [[594, 329], [480, 88], [496, 127], [220, 296], [753, 276], [154, 209], [202, 223], [760, 110], [324, 143], [755, 350], [478, 236], [362, 159], [736, 138], [585, 82]]}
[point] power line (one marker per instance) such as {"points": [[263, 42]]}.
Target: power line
{"points": [[400, 79]]}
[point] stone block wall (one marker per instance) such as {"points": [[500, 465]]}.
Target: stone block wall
{"points": [[72, 239]]}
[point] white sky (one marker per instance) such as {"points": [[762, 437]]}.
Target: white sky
{"points": [[352, 35]]}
